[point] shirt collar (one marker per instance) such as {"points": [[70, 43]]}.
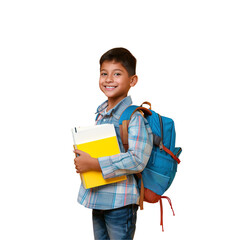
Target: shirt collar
{"points": [[117, 110]]}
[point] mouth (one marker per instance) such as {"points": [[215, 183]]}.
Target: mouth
{"points": [[109, 88]]}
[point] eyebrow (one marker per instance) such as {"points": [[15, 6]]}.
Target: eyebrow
{"points": [[117, 69]]}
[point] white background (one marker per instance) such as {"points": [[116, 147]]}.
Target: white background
{"points": [[188, 67]]}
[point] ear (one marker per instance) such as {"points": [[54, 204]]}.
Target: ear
{"points": [[134, 80]]}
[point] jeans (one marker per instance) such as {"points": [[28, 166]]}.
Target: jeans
{"points": [[115, 224]]}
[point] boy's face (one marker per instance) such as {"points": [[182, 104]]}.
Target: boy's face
{"points": [[114, 80]]}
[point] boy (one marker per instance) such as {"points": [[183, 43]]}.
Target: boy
{"points": [[115, 205]]}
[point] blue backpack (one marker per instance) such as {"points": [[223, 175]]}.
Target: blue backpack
{"points": [[160, 171]]}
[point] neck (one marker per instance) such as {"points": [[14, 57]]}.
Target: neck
{"points": [[113, 102]]}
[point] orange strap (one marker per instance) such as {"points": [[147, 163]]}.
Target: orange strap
{"points": [[148, 103], [139, 176], [161, 209], [171, 153]]}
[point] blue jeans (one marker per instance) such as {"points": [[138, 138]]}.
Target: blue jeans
{"points": [[115, 224]]}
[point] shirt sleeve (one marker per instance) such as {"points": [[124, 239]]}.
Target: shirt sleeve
{"points": [[140, 143]]}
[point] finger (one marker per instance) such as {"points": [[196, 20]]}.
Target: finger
{"points": [[76, 156], [77, 171], [76, 160], [78, 151]]}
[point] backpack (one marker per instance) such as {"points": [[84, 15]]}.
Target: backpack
{"points": [[161, 168]]}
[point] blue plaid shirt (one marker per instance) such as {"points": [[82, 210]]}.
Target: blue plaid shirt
{"points": [[140, 140]]}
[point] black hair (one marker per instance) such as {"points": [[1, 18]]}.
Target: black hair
{"points": [[123, 56]]}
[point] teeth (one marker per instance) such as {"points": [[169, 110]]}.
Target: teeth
{"points": [[110, 87]]}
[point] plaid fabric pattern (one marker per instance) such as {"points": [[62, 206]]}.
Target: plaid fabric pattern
{"points": [[140, 146]]}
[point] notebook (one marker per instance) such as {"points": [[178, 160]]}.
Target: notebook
{"points": [[98, 141]]}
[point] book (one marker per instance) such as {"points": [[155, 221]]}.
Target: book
{"points": [[98, 141]]}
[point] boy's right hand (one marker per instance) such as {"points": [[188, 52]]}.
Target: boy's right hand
{"points": [[84, 162]]}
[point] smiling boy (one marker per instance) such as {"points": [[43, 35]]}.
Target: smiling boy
{"points": [[115, 205]]}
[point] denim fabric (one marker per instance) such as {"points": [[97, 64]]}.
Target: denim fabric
{"points": [[115, 224]]}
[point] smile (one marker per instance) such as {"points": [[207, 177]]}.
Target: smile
{"points": [[109, 87]]}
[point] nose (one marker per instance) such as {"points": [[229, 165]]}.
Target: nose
{"points": [[109, 78]]}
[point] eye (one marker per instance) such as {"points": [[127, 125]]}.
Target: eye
{"points": [[103, 74], [117, 74]]}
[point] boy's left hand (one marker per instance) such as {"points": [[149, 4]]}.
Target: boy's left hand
{"points": [[84, 162]]}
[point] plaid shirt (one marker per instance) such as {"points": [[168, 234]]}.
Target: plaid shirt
{"points": [[140, 139]]}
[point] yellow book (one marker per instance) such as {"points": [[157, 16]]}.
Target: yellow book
{"points": [[98, 141]]}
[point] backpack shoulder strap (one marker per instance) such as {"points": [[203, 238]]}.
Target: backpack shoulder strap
{"points": [[125, 120], [123, 124]]}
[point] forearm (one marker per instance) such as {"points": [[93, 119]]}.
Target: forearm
{"points": [[137, 156], [122, 164], [94, 165]]}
